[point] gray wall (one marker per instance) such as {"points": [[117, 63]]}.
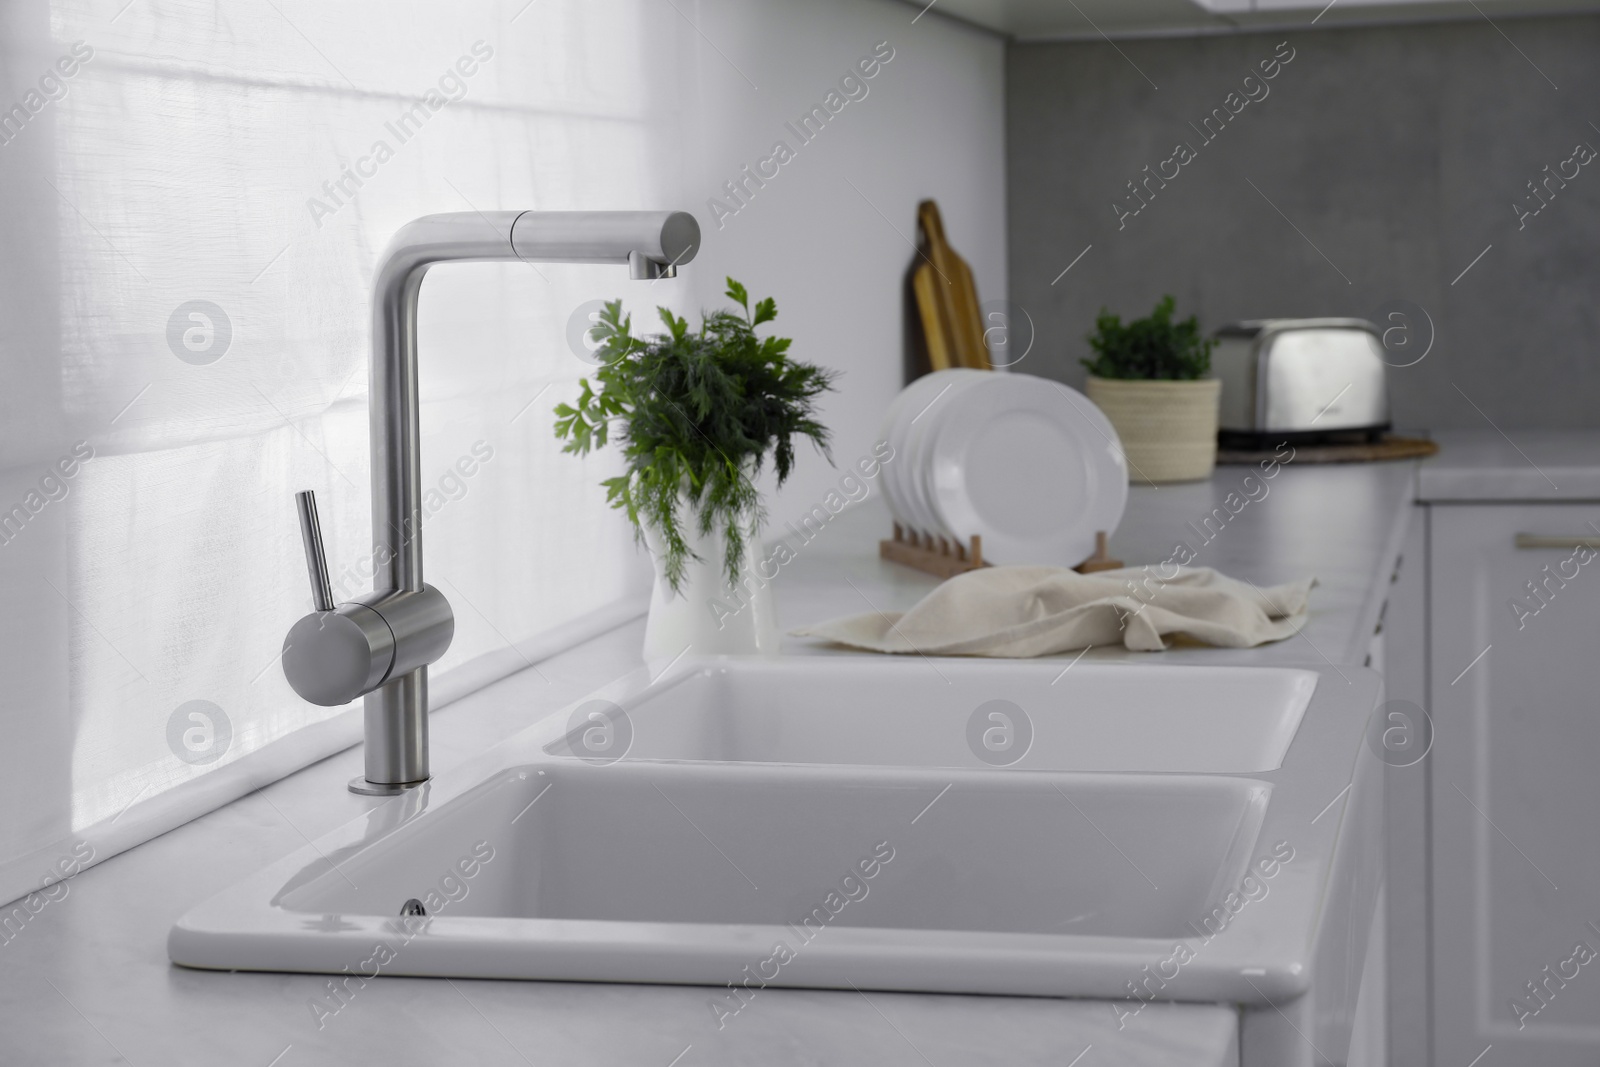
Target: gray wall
{"points": [[1397, 151]]}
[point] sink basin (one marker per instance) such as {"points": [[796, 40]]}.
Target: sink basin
{"points": [[1133, 857], [1211, 720], [844, 822]]}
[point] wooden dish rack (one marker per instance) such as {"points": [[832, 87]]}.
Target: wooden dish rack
{"points": [[944, 558]]}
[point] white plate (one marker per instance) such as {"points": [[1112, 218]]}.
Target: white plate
{"points": [[916, 481], [891, 469], [1030, 465], [910, 411], [892, 430]]}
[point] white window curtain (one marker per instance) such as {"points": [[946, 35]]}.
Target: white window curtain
{"points": [[194, 196]]}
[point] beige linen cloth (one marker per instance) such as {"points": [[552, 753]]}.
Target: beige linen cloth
{"points": [[1038, 611]]}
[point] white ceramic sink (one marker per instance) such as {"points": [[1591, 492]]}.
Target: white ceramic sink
{"points": [[1213, 720], [635, 843], [840, 821]]}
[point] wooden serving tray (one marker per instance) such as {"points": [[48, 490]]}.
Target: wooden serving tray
{"points": [[1392, 447]]}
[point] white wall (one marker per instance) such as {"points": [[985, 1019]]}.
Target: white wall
{"points": [[177, 164], [828, 237]]}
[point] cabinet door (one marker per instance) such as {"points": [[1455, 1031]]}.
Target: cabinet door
{"points": [[1514, 595]]}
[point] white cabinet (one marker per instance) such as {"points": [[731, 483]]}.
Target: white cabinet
{"points": [[1514, 783]]}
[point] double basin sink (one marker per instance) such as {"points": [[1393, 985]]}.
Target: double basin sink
{"points": [[912, 824]]}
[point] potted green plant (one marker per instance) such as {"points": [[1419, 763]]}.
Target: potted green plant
{"points": [[1148, 376], [697, 415]]}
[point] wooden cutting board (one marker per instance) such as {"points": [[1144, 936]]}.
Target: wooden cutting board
{"points": [[947, 299]]}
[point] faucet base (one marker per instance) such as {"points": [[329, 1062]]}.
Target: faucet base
{"points": [[359, 784], [396, 728]]}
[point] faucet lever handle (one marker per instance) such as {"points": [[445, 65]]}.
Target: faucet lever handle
{"points": [[316, 557]]}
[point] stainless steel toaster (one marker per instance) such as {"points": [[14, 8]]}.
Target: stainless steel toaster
{"points": [[1300, 380]]}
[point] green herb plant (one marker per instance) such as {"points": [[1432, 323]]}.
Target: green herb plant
{"points": [[696, 414], [1150, 348]]}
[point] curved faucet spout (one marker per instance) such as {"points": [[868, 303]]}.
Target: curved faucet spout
{"points": [[404, 619], [644, 240]]}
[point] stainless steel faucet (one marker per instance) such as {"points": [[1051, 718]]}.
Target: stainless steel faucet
{"points": [[379, 645]]}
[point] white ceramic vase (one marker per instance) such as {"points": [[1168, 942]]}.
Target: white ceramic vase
{"points": [[706, 615]]}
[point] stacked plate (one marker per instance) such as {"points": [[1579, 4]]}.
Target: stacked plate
{"points": [[1026, 463]]}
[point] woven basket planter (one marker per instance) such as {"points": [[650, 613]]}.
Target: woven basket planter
{"points": [[1168, 429]]}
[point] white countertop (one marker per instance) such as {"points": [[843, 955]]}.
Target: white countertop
{"points": [[87, 981], [1341, 523], [1489, 465]]}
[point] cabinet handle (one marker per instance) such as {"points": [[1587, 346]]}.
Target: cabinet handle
{"points": [[1527, 540]]}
